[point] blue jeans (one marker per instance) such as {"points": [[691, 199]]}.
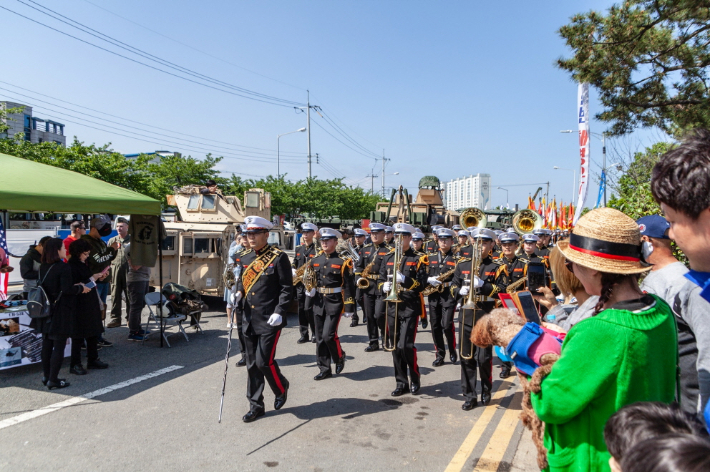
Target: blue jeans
{"points": [[103, 289]]}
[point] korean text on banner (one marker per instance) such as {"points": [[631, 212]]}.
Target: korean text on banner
{"points": [[583, 120]]}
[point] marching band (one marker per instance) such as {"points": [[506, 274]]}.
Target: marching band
{"points": [[392, 279]]}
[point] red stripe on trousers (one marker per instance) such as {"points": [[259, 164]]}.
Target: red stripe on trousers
{"points": [[336, 338], [453, 333], [414, 348], [274, 373]]}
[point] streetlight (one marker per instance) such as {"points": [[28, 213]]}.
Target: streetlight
{"points": [[278, 150], [602, 138], [574, 180], [383, 182], [507, 205]]}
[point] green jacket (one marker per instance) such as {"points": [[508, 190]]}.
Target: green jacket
{"points": [[613, 359]]}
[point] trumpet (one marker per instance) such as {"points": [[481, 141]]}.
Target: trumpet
{"points": [[471, 300], [393, 296]]}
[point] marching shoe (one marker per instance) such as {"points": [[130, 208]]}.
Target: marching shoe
{"points": [[313, 339], [453, 357], [372, 348], [469, 405], [44, 381], [60, 383], [281, 400], [414, 388], [96, 364], [438, 362], [303, 339], [353, 323], [242, 362], [326, 374], [340, 365], [77, 370], [486, 398], [252, 415], [504, 372], [399, 391]]}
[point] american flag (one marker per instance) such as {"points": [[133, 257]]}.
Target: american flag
{"points": [[4, 278]]}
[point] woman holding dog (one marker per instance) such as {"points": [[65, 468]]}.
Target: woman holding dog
{"points": [[626, 352]]}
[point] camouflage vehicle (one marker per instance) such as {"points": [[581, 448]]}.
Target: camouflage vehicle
{"points": [[196, 249], [425, 211]]}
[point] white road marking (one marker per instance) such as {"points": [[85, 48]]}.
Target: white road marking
{"points": [[75, 400]]}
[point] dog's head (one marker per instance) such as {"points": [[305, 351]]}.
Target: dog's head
{"points": [[487, 330]]}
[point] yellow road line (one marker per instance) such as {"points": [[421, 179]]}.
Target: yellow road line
{"points": [[497, 445], [459, 459]]}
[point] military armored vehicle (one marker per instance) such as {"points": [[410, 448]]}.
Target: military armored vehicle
{"points": [[197, 245]]}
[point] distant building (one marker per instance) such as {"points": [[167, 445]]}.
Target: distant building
{"points": [[157, 154], [35, 130], [471, 191]]}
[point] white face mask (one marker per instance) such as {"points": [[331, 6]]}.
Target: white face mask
{"points": [[646, 249]]}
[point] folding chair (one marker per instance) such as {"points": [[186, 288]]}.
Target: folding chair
{"points": [[152, 301]]}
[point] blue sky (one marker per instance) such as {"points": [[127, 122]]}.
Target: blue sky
{"points": [[445, 88]]}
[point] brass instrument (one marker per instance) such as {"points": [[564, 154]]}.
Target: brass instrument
{"points": [[526, 221], [393, 296], [473, 217], [439, 288], [348, 251], [306, 274], [471, 299], [364, 282], [512, 288], [228, 276]]}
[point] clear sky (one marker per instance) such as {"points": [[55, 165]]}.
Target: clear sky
{"points": [[445, 88]]}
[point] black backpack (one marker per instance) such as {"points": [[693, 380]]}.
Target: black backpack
{"points": [[38, 304]]}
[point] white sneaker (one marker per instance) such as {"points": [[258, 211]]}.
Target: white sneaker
{"points": [[229, 325]]}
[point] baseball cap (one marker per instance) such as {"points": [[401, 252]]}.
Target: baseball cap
{"points": [[654, 226]]}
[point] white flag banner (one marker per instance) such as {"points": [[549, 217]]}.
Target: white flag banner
{"points": [[583, 120]]}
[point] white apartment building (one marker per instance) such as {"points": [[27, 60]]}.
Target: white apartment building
{"points": [[34, 129], [471, 191]]}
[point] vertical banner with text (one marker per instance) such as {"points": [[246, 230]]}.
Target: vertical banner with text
{"points": [[583, 122]]}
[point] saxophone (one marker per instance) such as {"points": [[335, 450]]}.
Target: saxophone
{"points": [[512, 287], [364, 281], [439, 288]]}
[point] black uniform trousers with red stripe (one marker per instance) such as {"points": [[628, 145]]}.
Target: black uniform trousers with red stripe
{"points": [[401, 333], [441, 316], [260, 350], [374, 312], [481, 363], [327, 311], [305, 311]]}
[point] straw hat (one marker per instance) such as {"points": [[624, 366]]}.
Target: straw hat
{"points": [[606, 240]]}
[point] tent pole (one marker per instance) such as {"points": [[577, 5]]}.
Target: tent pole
{"points": [[160, 280]]}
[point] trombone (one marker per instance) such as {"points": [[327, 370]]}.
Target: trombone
{"points": [[470, 300], [393, 296]]}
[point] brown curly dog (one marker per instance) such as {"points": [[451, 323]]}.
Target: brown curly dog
{"points": [[498, 328]]}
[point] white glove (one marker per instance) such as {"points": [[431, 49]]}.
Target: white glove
{"points": [[400, 277], [386, 287], [361, 278], [348, 315], [433, 281], [274, 320], [236, 297], [464, 291], [311, 292], [478, 283], [293, 271]]}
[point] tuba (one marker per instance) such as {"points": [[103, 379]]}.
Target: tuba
{"points": [[526, 221], [473, 217]]}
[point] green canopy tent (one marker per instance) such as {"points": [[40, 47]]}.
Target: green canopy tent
{"points": [[29, 186]]}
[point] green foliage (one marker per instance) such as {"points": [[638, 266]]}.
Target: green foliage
{"points": [[322, 198], [4, 117], [649, 61]]}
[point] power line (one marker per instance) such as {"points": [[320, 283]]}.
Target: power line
{"points": [[143, 63], [270, 151], [193, 48], [347, 146], [346, 136]]}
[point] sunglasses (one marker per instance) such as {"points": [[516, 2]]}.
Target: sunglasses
{"points": [[570, 265]]}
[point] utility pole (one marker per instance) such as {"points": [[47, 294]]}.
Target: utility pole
{"points": [[383, 172], [308, 115], [372, 181]]}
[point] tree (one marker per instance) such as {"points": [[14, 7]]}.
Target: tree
{"points": [[649, 61], [4, 112]]}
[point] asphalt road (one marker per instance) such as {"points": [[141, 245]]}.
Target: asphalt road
{"points": [[157, 409]]}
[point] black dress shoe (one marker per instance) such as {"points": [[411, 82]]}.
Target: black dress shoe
{"points": [[425, 323], [504, 373], [313, 340], [281, 400], [453, 357], [469, 405], [340, 365], [77, 370], [303, 339], [414, 388], [326, 374], [399, 391], [252, 415], [438, 362], [485, 398], [242, 362], [60, 383], [372, 348], [44, 380], [353, 323], [96, 364]]}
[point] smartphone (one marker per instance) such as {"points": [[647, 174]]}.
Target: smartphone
{"points": [[526, 302], [537, 276]]}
